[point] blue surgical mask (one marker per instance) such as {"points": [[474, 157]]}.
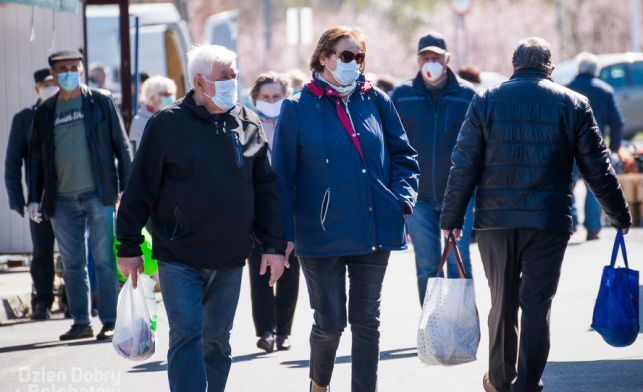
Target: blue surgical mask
{"points": [[345, 73], [166, 101], [69, 81], [225, 96]]}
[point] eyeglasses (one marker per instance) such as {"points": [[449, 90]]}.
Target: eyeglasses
{"points": [[347, 56]]}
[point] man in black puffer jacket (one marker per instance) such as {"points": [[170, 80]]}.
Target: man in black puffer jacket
{"points": [[517, 146]]}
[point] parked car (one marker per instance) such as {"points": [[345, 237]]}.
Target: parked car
{"points": [[622, 71], [164, 40]]}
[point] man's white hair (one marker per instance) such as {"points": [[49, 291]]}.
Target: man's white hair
{"points": [[587, 63], [155, 86], [202, 57]]}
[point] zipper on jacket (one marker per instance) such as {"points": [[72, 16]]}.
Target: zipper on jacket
{"points": [[323, 211], [350, 118], [176, 223], [238, 153], [434, 148]]}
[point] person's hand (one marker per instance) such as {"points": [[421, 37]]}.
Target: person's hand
{"points": [[629, 163], [276, 264], [33, 209], [289, 249], [130, 267], [457, 233], [625, 230]]}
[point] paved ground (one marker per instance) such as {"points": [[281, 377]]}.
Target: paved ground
{"points": [[31, 358]]}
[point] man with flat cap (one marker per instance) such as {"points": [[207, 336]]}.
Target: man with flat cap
{"points": [[432, 107], [80, 160], [42, 237]]}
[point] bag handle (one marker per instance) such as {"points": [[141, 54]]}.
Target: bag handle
{"points": [[451, 242], [619, 242]]}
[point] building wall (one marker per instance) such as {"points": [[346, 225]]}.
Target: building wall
{"points": [[19, 57]]}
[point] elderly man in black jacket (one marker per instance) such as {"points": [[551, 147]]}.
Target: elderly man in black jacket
{"points": [[517, 146], [77, 138], [608, 118], [42, 236], [202, 176]]}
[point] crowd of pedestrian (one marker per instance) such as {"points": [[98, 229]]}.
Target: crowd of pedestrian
{"points": [[324, 175]]}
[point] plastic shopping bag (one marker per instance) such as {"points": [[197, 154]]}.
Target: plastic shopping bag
{"points": [[135, 330], [150, 266], [449, 330], [616, 312]]}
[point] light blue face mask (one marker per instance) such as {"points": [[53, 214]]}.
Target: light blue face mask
{"points": [[166, 101], [69, 81]]}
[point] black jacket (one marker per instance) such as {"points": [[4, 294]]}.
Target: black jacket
{"points": [[604, 105], [432, 127], [207, 185], [17, 154], [106, 140], [517, 145]]}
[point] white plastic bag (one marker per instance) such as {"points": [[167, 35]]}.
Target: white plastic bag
{"points": [[135, 329], [449, 330]]}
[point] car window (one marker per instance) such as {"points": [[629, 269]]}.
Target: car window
{"points": [[637, 73], [615, 75]]}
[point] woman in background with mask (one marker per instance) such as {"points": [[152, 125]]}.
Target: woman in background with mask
{"points": [[347, 177], [157, 92], [272, 310]]}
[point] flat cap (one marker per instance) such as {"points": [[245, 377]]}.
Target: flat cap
{"points": [[64, 55]]}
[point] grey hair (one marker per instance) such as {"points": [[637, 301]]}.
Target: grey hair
{"points": [[587, 63], [532, 52], [202, 57]]}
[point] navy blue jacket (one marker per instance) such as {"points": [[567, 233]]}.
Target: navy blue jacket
{"points": [[335, 202], [432, 127], [17, 154], [606, 110]]}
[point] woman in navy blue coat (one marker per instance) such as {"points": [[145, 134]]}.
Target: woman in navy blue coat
{"points": [[347, 177]]}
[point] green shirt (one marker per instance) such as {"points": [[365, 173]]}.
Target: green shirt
{"points": [[71, 154]]}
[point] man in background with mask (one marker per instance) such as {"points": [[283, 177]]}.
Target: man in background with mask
{"points": [[74, 180], [202, 177], [42, 236], [432, 107]]}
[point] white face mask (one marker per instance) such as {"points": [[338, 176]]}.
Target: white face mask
{"points": [[345, 73], [432, 70], [271, 110], [226, 95], [46, 92]]}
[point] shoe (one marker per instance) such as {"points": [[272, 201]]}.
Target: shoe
{"points": [[107, 332], [40, 312], [486, 384], [592, 235], [267, 342], [78, 331], [283, 343]]}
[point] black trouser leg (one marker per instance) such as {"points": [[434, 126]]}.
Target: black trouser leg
{"points": [[523, 268], [261, 295], [286, 297], [42, 263]]}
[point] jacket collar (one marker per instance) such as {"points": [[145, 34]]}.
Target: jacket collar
{"points": [[320, 88], [530, 73], [451, 86]]}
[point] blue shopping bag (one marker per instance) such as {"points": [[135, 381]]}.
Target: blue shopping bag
{"points": [[616, 313]]}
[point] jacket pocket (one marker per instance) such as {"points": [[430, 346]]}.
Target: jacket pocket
{"points": [[323, 210]]}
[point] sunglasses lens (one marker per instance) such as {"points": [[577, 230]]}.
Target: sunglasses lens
{"points": [[359, 58], [348, 56]]}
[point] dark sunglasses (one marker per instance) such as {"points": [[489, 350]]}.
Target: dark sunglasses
{"points": [[347, 56]]}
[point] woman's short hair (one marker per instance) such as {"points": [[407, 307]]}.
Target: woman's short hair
{"points": [[201, 58], [156, 85], [328, 41], [268, 78]]}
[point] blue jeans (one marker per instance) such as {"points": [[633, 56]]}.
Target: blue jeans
{"points": [[593, 212], [424, 227], [326, 281], [73, 215], [200, 306]]}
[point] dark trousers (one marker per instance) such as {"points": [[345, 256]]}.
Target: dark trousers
{"points": [[273, 309], [326, 280], [42, 263], [523, 269]]}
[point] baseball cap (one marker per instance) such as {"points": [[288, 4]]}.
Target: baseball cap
{"points": [[433, 42], [42, 75]]}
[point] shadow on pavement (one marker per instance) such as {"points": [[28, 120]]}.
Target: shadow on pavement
{"points": [[384, 356], [55, 343], [249, 357], [613, 376], [156, 366]]}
